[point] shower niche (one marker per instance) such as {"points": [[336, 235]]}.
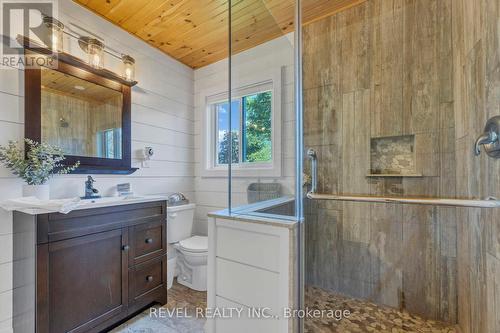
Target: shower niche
{"points": [[393, 156]]}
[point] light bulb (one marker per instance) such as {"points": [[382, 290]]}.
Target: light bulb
{"points": [[55, 42], [96, 60], [128, 74]]}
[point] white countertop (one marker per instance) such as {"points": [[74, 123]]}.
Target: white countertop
{"points": [[250, 213], [99, 203], [278, 221]]}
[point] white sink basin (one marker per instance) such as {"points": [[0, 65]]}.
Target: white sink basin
{"points": [[69, 204]]}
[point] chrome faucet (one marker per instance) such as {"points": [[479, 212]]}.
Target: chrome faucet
{"points": [[90, 191]]}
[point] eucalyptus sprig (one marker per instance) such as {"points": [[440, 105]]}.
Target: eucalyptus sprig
{"points": [[41, 161]]}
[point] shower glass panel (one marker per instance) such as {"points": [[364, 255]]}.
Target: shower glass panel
{"points": [[262, 144], [399, 235]]}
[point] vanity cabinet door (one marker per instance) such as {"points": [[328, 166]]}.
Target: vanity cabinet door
{"points": [[88, 279]]}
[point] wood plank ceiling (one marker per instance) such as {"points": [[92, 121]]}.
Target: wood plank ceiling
{"points": [[195, 31]]}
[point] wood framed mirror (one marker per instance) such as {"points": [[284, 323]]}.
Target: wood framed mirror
{"points": [[84, 110]]}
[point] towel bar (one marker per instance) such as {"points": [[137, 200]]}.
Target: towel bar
{"points": [[488, 203]]}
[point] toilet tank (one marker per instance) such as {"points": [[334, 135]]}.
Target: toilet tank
{"points": [[179, 222]]}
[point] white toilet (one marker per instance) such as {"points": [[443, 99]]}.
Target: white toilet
{"points": [[192, 251]]}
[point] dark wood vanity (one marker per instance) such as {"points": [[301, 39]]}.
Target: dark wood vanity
{"points": [[95, 267]]}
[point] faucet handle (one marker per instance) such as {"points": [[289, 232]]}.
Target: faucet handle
{"points": [[484, 139], [489, 139]]}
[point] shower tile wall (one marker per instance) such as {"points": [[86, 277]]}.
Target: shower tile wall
{"points": [[429, 68], [476, 31], [383, 69]]}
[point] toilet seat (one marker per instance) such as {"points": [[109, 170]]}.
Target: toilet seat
{"points": [[195, 244]]}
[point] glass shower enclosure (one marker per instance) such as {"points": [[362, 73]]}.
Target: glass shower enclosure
{"points": [[263, 168], [398, 229], [373, 124]]}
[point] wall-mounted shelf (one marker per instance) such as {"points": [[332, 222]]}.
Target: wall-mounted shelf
{"points": [[394, 175], [393, 156], [96, 170]]}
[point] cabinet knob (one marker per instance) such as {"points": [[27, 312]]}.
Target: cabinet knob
{"points": [[125, 247], [149, 278], [149, 240]]}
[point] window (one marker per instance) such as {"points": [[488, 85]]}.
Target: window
{"points": [[109, 143], [251, 131], [255, 128], [222, 132], [257, 132]]}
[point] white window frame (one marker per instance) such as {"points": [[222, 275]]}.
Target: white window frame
{"points": [[272, 82]]}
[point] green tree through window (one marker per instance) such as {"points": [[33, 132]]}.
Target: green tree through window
{"points": [[257, 145], [252, 114], [224, 148]]}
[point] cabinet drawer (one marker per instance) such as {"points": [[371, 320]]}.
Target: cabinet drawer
{"points": [[146, 278], [147, 241]]}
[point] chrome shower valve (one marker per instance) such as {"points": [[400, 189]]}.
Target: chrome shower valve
{"points": [[489, 140]]}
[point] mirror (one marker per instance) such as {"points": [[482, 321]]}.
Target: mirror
{"points": [[84, 110], [81, 117]]}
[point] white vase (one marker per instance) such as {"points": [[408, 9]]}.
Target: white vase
{"points": [[41, 192]]}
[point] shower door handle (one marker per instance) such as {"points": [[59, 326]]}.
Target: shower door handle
{"points": [[489, 139], [311, 153]]}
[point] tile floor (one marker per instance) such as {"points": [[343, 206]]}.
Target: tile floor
{"points": [[365, 317], [179, 297]]}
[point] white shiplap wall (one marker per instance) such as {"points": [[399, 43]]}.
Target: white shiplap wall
{"points": [[211, 193], [162, 116]]}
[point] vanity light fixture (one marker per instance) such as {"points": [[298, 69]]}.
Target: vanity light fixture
{"points": [[56, 30], [128, 67], [95, 50], [92, 45]]}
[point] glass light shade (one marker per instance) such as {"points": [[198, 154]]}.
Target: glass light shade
{"points": [[96, 55], [128, 68], [56, 30], [95, 51]]}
